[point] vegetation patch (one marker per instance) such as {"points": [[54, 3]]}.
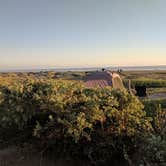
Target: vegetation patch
{"points": [[97, 125]]}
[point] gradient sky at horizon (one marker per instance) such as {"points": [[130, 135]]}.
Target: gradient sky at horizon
{"points": [[82, 33]]}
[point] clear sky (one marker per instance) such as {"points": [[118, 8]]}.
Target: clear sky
{"points": [[77, 33]]}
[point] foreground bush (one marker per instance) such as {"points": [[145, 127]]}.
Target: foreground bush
{"points": [[97, 124], [153, 147], [154, 151]]}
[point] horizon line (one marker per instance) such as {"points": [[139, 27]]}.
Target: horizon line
{"points": [[28, 69]]}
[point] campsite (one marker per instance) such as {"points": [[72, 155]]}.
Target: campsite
{"points": [[82, 82]]}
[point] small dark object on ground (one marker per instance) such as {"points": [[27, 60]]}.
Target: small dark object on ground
{"points": [[141, 91]]}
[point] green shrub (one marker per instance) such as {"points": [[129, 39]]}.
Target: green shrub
{"points": [[150, 83], [101, 125], [154, 151], [96, 123], [153, 147], [153, 104]]}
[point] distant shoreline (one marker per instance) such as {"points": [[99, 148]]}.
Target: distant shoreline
{"points": [[124, 68]]}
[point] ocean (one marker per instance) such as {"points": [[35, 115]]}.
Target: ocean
{"points": [[124, 68]]}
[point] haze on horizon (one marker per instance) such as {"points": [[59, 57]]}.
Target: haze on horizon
{"points": [[82, 33]]}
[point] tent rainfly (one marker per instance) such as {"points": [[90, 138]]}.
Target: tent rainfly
{"points": [[103, 79]]}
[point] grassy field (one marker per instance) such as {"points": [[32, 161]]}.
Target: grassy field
{"points": [[72, 75], [154, 80]]}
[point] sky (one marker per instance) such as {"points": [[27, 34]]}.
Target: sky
{"points": [[82, 33]]}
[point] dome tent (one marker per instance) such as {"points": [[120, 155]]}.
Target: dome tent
{"points": [[103, 79]]}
